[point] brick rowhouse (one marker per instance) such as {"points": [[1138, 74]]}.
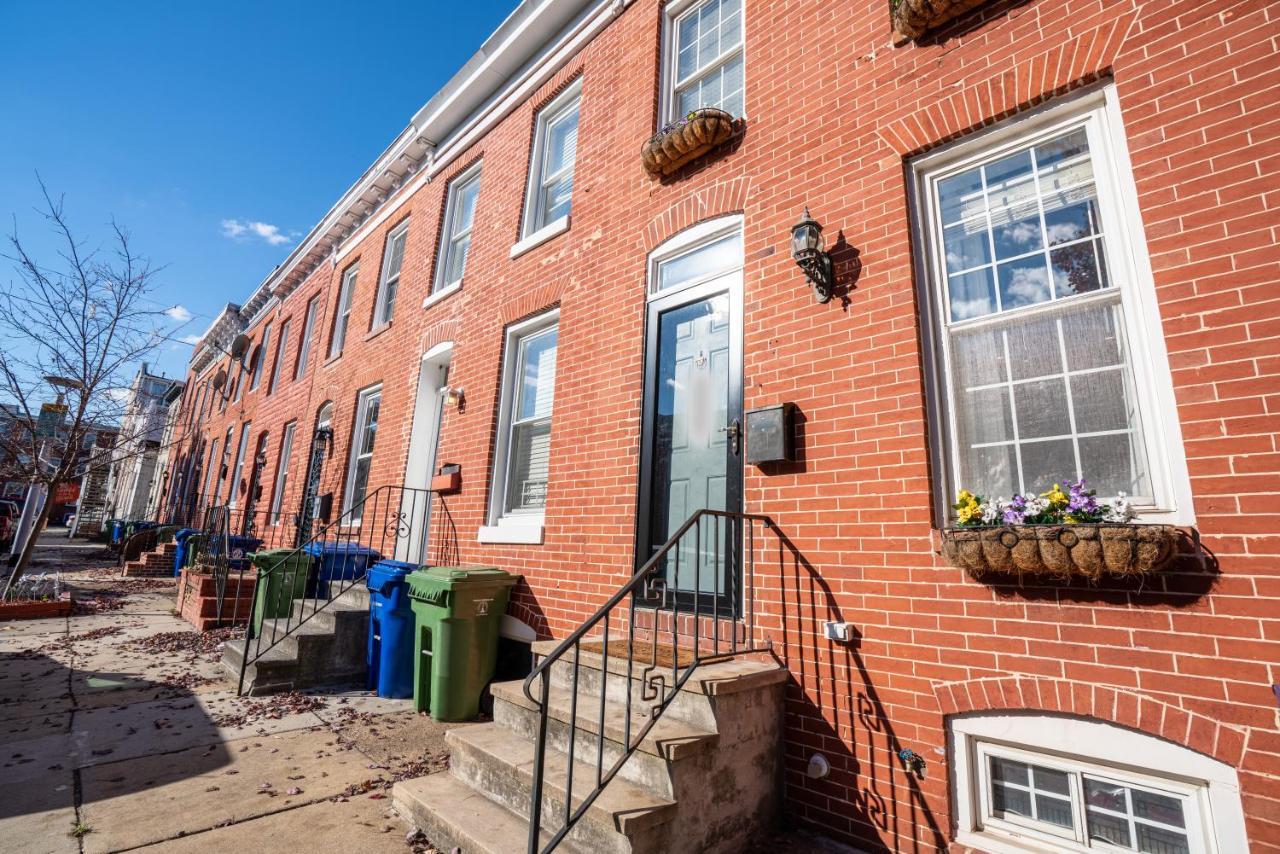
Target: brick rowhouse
{"points": [[836, 116]]}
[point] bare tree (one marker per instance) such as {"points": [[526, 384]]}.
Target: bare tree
{"points": [[80, 324]]}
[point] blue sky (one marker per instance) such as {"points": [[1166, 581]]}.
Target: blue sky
{"points": [[217, 133]]}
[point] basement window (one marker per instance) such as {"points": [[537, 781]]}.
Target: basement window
{"points": [[1041, 782]]}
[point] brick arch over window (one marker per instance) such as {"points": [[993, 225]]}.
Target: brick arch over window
{"points": [[727, 197], [439, 333], [1110, 705], [532, 302], [1030, 81]]}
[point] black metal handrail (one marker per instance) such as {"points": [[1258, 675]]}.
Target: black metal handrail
{"points": [[650, 589], [389, 522]]}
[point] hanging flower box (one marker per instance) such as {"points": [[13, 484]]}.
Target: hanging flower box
{"points": [[686, 140], [1057, 535], [914, 18]]}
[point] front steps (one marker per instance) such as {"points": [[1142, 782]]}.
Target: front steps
{"points": [[157, 563], [327, 650], [198, 599], [704, 779]]}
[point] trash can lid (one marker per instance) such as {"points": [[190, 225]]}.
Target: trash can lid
{"points": [[387, 570], [338, 548], [448, 577]]}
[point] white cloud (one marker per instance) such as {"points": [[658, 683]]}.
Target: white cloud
{"points": [[193, 340], [237, 229], [178, 314]]}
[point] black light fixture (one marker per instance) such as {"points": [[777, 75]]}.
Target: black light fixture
{"points": [[808, 250]]}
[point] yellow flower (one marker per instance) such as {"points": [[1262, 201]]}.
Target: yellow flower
{"points": [[1055, 496]]}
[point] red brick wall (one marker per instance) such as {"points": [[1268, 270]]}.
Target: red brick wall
{"points": [[833, 110]]}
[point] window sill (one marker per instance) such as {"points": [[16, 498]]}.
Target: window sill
{"points": [[522, 533], [374, 333], [329, 361], [541, 236], [435, 297]]}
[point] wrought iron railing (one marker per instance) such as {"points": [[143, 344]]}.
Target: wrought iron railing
{"points": [[390, 522], [698, 591]]}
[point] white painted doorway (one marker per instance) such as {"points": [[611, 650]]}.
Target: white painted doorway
{"points": [[428, 413]]}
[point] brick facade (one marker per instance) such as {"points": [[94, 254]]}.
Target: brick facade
{"points": [[833, 111]]}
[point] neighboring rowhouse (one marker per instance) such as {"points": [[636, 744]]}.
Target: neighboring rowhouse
{"points": [[138, 446], [1052, 234]]}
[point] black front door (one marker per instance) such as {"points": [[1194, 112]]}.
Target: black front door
{"points": [[691, 444]]}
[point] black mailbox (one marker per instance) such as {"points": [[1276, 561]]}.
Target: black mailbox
{"points": [[769, 434]]}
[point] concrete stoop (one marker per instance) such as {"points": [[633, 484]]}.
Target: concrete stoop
{"points": [[705, 778], [326, 650]]}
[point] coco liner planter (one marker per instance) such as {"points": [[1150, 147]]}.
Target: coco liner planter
{"points": [[677, 145], [1091, 550], [914, 18]]}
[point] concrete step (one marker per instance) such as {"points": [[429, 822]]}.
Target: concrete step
{"points": [[655, 761], [624, 818], [454, 815]]}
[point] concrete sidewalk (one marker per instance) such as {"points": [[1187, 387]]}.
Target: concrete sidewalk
{"points": [[119, 733]]}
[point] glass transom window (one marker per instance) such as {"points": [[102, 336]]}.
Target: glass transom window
{"points": [[1040, 363], [707, 58]]}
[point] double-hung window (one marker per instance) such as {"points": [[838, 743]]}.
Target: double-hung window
{"points": [[304, 347], [555, 149], [363, 436], [259, 356], [282, 471], [392, 261], [455, 231], [1049, 358], [342, 316], [519, 491], [278, 364], [704, 65], [233, 496]]}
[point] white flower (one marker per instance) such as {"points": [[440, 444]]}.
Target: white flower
{"points": [[1120, 510]]}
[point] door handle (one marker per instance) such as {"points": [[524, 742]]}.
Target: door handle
{"points": [[734, 434]]}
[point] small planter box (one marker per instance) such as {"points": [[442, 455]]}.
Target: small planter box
{"points": [[35, 609], [688, 140], [914, 18], [1061, 552]]}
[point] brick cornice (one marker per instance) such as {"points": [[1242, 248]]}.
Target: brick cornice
{"points": [[1111, 705], [1068, 64], [726, 197]]}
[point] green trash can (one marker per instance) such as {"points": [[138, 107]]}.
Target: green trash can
{"points": [[275, 592], [456, 616]]}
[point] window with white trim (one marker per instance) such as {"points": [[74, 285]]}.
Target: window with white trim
{"points": [[233, 496], [392, 261], [523, 455], [555, 148], [342, 316], [304, 346], [282, 471], [1050, 360], [363, 435], [259, 356], [455, 231], [704, 66], [279, 360], [1048, 782]]}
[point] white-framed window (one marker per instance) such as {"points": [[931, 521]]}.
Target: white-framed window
{"points": [[1036, 290], [523, 454], [282, 471], [555, 148], [304, 346], [342, 314], [233, 496], [699, 254], [1048, 782], [210, 476], [704, 58], [278, 364], [259, 357], [392, 261], [364, 433], [455, 230]]}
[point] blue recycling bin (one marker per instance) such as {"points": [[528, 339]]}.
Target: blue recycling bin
{"points": [[240, 550], [391, 627], [180, 548], [117, 531], [339, 561]]}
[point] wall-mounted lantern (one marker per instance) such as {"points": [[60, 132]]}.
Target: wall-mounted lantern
{"points": [[808, 250], [453, 397]]}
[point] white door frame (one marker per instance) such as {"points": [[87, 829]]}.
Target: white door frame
{"points": [[420, 463]]}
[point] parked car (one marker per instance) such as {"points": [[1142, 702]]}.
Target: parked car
{"points": [[9, 514]]}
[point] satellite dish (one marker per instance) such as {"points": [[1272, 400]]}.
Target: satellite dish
{"points": [[219, 379], [239, 345]]}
